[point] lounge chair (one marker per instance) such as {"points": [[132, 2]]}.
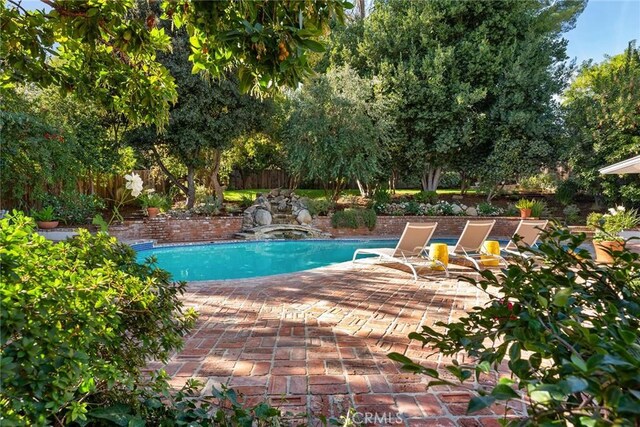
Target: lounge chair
{"points": [[528, 231], [469, 245], [410, 248]]}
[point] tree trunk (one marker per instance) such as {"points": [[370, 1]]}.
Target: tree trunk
{"points": [[169, 175], [464, 182], [364, 189], [431, 178], [191, 187], [393, 180], [217, 188]]}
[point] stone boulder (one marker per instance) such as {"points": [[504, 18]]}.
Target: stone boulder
{"points": [[471, 211], [457, 210], [304, 217], [262, 217]]}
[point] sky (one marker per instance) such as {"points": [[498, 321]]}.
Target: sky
{"points": [[605, 27]]}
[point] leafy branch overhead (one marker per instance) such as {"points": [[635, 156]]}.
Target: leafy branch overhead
{"points": [[106, 50]]}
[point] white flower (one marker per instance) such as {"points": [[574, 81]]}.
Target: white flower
{"points": [[612, 211], [134, 183], [620, 208]]}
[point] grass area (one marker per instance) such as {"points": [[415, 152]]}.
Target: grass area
{"points": [[237, 195]]}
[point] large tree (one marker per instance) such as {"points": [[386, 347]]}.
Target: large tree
{"points": [[329, 135], [603, 123], [208, 116], [474, 79], [104, 50]]}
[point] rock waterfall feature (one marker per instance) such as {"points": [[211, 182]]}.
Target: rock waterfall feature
{"points": [[279, 214]]}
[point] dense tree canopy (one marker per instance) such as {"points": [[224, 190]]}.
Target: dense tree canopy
{"points": [[104, 50], [474, 80], [329, 135], [603, 123]]}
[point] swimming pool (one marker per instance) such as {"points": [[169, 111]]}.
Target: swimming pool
{"points": [[238, 260]]}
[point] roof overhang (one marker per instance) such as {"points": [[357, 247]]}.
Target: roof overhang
{"points": [[631, 165]]}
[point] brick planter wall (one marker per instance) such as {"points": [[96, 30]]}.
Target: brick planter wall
{"points": [[177, 230]]}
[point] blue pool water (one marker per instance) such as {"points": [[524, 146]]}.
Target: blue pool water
{"points": [[218, 261]]}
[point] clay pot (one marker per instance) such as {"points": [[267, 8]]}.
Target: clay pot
{"points": [[602, 255], [525, 213], [47, 225], [153, 212]]}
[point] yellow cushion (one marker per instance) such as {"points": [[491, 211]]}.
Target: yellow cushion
{"points": [[490, 247], [439, 252]]}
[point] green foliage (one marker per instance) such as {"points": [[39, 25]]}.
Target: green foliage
{"points": [[329, 135], [541, 182], [571, 214], [602, 117], [354, 218], [73, 207], [45, 214], [608, 226], [567, 329], [487, 209], [450, 179], [539, 208], [107, 50], [246, 201], [470, 84], [154, 200], [566, 191], [80, 319], [525, 204], [426, 197], [319, 206]]}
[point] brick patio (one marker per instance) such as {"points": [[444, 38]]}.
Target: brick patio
{"points": [[316, 342]]}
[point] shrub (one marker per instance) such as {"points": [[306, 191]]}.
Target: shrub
{"points": [[413, 208], [540, 182], [154, 200], [380, 198], [319, 206], [487, 209], [354, 218], [571, 214], [73, 207], [450, 179], [566, 191], [539, 209], [524, 204], [568, 330], [210, 206], [246, 202], [79, 320], [430, 197]]}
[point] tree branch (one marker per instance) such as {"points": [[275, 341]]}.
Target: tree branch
{"points": [[169, 175]]}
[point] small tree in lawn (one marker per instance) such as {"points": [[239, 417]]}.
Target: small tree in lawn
{"points": [[328, 135]]}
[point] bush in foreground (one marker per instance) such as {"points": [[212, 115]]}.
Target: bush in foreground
{"points": [[80, 319], [569, 331]]}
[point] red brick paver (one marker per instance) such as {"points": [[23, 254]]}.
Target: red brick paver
{"points": [[317, 342]]}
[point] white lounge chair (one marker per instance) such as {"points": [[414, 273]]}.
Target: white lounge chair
{"points": [[529, 232], [469, 245], [410, 250]]}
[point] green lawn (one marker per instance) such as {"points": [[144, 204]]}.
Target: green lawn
{"points": [[237, 195]]}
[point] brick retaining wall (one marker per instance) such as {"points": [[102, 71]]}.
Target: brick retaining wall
{"points": [[167, 230]]}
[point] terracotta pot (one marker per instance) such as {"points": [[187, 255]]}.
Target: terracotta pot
{"points": [[46, 225], [525, 213], [602, 255], [153, 212]]}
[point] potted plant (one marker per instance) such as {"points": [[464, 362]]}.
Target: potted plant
{"points": [[45, 218], [153, 203], [608, 227], [525, 206]]}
